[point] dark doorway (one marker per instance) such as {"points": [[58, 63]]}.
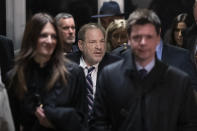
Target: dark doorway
{"points": [[82, 10], [2, 17]]}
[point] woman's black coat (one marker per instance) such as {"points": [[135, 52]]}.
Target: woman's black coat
{"points": [[64, 106]]}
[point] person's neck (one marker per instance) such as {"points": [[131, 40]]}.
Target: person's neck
{"points": [[42, 60], [89, 63], [68, 48], [143, 63]]}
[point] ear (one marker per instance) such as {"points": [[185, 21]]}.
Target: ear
{"points": [[129, 42], [160, 31], [159, 36], [80, 45]]}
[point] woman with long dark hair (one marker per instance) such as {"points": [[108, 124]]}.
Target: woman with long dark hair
{"points": [[174, 35], [47, 92]]}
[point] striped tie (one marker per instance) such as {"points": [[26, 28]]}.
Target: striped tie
{"points": [[90, 89]]}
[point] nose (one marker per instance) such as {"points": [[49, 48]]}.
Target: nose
{"points": [[71, 30], [180, 33], [49, 39], [143, 41], [98, 45]]}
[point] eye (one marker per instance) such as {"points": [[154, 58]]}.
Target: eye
{"points": [[123, 36], [65, 28], [44, 35], [149, 37], [53, 36], [136, 38], [91, 42], [116, 35], [68, 27], [102, 41], [177, 30], [73, 27]]}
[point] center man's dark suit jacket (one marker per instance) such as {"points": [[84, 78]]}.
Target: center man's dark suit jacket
{"points": [[107, 59], [6, 56], [180, 58]]}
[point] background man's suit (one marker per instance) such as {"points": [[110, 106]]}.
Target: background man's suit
{"points": [[6, 56], [180, 58]]}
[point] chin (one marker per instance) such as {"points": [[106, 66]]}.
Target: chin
{"points": [[98, 60], [47, 53], [70, 42], [142, 57]]}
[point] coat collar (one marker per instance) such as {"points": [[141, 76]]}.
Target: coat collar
{"points": [[129, 61], [130, 67], [156, 77]]}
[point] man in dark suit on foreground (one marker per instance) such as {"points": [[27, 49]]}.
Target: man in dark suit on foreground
{"points": [[173, 56], [141, 93]]}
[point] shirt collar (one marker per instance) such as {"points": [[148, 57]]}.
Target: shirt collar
{"points": [[84, 65], [148, 67], [159, 50]]}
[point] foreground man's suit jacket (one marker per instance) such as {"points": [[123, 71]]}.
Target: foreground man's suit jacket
{"points": [[163, 101]]}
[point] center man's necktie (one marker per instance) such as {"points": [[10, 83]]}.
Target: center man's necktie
{"points": [[90, 89]]}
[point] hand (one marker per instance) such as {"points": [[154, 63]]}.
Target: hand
{"points": [[42, 118]]}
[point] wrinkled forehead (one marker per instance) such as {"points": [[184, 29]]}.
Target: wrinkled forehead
{"points": [[66, 21], [93, 32]]}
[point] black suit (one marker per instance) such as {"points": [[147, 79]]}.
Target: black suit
{"points": [[177, 57], [6, 56], [163, 101], [180, 58], [107, 59], [189, 37]]}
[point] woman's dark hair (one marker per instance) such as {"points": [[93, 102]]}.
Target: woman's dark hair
{"points": [[27, 53], [169, 37]]}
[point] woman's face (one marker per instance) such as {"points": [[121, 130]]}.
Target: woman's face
{"points": [[178, 33], [46, 42], [119, 37]]}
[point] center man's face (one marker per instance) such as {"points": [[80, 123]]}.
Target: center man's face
{"points": [[93, 47], [143, 40]]}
